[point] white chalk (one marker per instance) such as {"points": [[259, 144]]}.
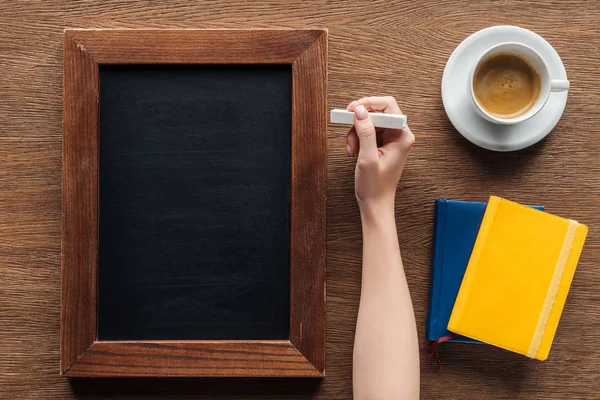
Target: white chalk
{"points": [[380, 120]]}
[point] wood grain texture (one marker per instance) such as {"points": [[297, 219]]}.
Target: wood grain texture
{"points": [[79, 204], [84, 51], [309, 202], [193, 358], [177, 46], [378, 47]]}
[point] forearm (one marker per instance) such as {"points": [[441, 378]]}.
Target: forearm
{"points": [[386, 357]]}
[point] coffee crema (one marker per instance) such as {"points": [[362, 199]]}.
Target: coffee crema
{"points": [[506, 85]]}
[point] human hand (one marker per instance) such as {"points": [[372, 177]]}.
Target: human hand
{"points": [[381, 154]]}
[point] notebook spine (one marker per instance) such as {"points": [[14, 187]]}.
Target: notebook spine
{"points": [[439, 226], [465, 286]]}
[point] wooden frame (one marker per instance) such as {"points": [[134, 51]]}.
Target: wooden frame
{"points": [[303, 355]]}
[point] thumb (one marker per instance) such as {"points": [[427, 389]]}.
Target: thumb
{"points": [[365, 130]]}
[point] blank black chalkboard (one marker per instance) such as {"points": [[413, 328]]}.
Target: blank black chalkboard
{"points": [[194, 202]]}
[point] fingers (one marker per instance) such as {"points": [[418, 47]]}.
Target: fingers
{"points": [[352, 145], [362, 131], [407, 139], [386, 104], [398, 139], [365, 131]]}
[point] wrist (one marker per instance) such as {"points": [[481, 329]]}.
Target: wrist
{"points": [[377, 214]]}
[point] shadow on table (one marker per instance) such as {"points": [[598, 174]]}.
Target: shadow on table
{"points": [[275, 388], [499, 165], [505, 371]]}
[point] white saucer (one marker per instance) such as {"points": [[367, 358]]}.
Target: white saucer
{"points": [[460, 108]]}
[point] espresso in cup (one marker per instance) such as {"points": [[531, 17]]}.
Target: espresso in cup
{"points": [[506, 85]]}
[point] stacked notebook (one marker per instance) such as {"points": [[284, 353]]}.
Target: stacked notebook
{"points": [[501, 273], [456, 226]]}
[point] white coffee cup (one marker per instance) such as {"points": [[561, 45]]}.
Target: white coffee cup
{"points": [[548, 84]]}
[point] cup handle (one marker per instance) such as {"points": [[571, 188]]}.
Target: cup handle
{"points": [[559, 85]]}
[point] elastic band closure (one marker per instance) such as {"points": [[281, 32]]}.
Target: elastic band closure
{"points": [[559, 269]]}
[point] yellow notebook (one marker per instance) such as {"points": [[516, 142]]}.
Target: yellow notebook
{"points": [[517, 279]]}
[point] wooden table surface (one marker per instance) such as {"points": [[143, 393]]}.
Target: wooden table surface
{"points": [[380, 47]]}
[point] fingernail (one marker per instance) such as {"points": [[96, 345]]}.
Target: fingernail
{"points": [[350, 105], [348, 150], [361, 112]]}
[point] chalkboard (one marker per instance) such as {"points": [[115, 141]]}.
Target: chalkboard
{"points": [[194, 199], [194, 202]]}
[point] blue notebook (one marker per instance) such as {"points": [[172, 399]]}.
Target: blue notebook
{"points": [[455, 229]]}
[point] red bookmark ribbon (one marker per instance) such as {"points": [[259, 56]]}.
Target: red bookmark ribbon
{"points": [[433, 350]]}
